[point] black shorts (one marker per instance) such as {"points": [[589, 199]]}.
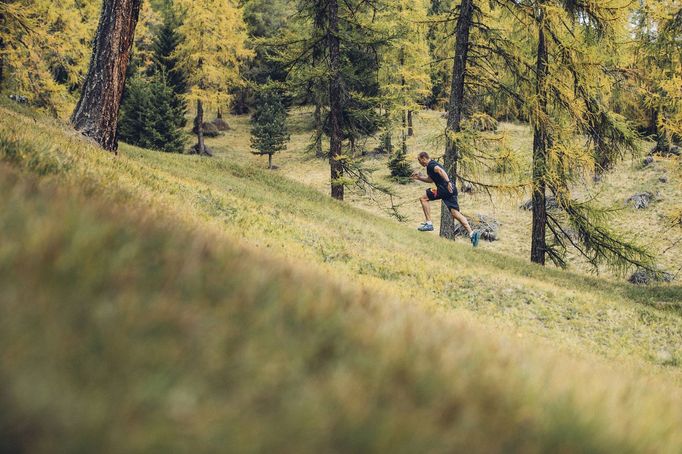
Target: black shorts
{"points": [[450, 200]]}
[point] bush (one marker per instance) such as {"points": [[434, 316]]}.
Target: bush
{"points": [[400, 168], [151, 117]]}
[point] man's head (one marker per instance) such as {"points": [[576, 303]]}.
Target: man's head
{"points": [[424, 159]]}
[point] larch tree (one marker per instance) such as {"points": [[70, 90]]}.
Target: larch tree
{"points": [[404, 65], [561, 99], [44, 49], [659, 66], [96, 114], [212, 49]]}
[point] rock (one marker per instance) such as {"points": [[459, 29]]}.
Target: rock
{"points": [[648, 161], [18, 98], [641, 200], [488, 226], [220, 124], [467, 188], [210, 130], [550, 203], [646, 277], [663, 179]]}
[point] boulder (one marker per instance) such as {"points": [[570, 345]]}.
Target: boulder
{"points": [[210, 130], [550, 203], [641, 200], [488, 227], [220, 124], [467, 188], [648, 161], [646, 277]]}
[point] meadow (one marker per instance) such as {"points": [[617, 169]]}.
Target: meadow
{"points": [[156, 302]]}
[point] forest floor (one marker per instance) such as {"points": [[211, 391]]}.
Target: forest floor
{"points": [[157, 301]]}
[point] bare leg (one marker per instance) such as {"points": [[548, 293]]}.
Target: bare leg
{"points": [[459, 217], [426, 207]]}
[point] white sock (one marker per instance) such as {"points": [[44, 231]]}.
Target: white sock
{"points": [[429, 223]]}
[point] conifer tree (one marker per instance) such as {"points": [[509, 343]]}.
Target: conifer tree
{"points": [[404, 72], [561, 99], [269, 132], [44, 49], [659, 64], [150, 117], [211, 52], [330, 51]]}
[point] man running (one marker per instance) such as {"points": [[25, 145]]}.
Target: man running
{"points": [[445, 191]]}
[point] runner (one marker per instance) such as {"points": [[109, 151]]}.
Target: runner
{"points": [[446, 191]]}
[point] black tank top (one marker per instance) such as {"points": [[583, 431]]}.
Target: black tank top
{"points": [[441, 183]]}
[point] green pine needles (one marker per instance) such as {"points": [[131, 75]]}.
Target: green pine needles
{"points": [[151, 116], [269, 132]]}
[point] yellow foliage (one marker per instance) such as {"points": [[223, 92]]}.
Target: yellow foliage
{"points": [[45, 48], [213, 48]]}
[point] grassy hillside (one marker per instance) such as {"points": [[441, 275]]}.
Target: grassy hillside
{"points": [[158, 302], [650, 227]]}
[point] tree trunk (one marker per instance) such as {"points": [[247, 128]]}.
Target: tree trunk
{"points": [[456, 106], [540, 140], [318, 127], [201, 147], [410, 127], [270, 161], [96, 114], [335, 113], [662, 139]]}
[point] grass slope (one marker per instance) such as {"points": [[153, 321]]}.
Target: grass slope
{"points": [[650, 227], [158, 302]]}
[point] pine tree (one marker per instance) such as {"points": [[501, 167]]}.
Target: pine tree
{"points": [[149, 116], [212, 50], [96, 114], [330, 50], [269, 132], [399, 166], [166, 65]]}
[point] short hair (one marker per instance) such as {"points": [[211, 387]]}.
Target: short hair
{"points": [[424, 155]]}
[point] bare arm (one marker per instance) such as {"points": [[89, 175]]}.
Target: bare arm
{"points": [[420, 177]]}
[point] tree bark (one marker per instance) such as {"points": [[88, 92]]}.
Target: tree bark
{"points": [[335, 114], [270, 161], [318, 127], [410, 127], [456, 107], [540, 141], [201, 147], [96, 114]]}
